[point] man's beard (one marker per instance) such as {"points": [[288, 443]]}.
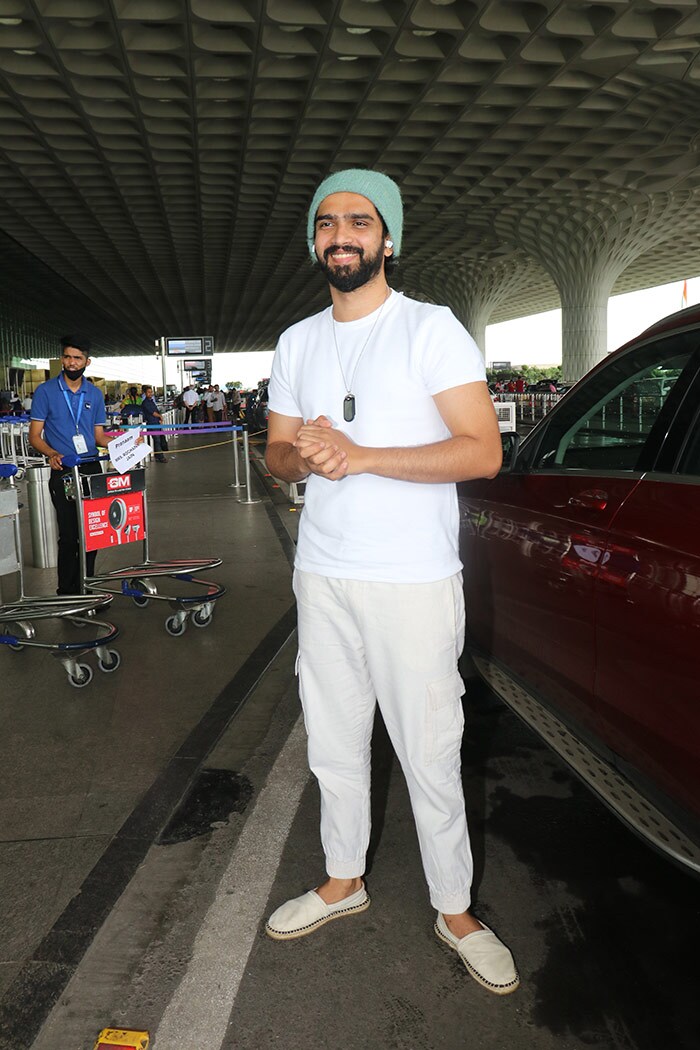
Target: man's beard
{"points": [[346, 279]]}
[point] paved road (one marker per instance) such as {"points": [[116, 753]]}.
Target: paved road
{"points": [[605, 933]]}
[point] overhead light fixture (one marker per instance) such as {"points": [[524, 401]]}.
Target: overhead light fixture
{"points": [[347, 58], [10, 21], [291, 29], [423, 32], [23, 51], [358, 30]]}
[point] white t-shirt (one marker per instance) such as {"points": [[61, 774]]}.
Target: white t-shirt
{"points": [[366, 527], [190, 398]]}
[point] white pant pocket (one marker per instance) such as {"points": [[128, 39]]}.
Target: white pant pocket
{"points": [[444, 718]]}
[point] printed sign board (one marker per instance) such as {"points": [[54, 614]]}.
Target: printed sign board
{"points": [[113, 520]]}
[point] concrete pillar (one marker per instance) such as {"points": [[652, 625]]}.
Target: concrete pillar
{"points": [[585, 243], [472, 285]]}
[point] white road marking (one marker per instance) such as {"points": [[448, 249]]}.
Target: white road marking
{"points": [[202, 1003]]}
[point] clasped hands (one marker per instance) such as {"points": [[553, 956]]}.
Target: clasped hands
{"points": [[327, 451]]}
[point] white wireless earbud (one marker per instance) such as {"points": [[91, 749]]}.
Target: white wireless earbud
{"points": [[390, 244]]}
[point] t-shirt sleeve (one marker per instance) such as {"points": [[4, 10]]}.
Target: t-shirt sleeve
{"points": [[100, 413], [281, 397], [451, 356], [40, 404]]}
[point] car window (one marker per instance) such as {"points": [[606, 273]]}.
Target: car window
{"points": [[606, 424]]}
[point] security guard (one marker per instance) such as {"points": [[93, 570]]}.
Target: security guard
{"points": [[68, 417]]}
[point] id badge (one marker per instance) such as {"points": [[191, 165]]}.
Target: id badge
{"points": [[80, 444]]}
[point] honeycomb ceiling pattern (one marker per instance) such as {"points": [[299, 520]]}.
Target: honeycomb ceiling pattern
{"points": [[160, 154]]}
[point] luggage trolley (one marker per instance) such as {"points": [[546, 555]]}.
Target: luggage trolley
{"points": [[113, 511], [19, 617]]}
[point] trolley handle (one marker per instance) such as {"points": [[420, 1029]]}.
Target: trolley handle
{"points": [[72, 459], [8, 470]]}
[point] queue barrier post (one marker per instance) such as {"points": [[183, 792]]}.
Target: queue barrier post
{"points": [[246, 462], [236, 484]]}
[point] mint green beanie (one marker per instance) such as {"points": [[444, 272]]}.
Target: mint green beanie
{"points": [[378, 188]]}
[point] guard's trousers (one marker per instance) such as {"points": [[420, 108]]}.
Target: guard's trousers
{"points": [[396, 644]]}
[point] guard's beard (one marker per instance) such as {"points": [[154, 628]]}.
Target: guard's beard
{"points": [[73, 373], [345, 278]]}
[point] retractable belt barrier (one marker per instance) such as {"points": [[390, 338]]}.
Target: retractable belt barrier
{"points": [[113, 511], [179, 429], [19, 618]]}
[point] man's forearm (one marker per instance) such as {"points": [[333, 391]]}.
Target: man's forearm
{"points": [[42, 447], [459, 458], [284, 462]]}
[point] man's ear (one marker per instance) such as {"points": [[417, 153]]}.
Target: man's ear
{"points": [[88, 361]]}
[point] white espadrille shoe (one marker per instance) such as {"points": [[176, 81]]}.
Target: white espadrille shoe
{"points": [[487, 959], [304, 914]]}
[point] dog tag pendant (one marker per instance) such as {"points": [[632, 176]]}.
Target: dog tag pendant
{"points": [[349, 408]]}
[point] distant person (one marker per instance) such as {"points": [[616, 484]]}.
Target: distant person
{"points": [[218, 404], [209, 404], [552, 387], [131, 406], [152, 417], [520, 385], [235, 404], [27, 403], [68, 417], [190, 400], [511, 386]]}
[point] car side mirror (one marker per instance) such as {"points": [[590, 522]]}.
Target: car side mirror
{"points": [[510, 442]]}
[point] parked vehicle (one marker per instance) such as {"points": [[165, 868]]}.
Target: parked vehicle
{"points": [[582, 581], [544, 386]]}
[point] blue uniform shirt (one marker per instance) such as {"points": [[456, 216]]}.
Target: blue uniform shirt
{"points": [[50, 407]]}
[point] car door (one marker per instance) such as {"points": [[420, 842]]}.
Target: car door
{"points": [[539, 532], [648, 619]]}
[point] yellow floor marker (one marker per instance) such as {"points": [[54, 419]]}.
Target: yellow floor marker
{"points": [[122, 1039]]}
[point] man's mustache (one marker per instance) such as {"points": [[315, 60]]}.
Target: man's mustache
{"points": [[348, 248]]}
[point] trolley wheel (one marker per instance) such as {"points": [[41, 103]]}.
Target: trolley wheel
{"points": [[82, 678], [175, 627], [139, 586], [201, 618], [112, 663]]}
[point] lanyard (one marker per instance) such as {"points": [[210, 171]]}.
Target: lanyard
{"points": [[69, 402]]}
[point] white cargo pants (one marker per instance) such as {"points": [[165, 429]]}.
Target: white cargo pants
{"points": [[398, 645]]}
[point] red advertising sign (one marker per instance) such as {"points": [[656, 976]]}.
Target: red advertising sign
{"points": [[113, 520]]}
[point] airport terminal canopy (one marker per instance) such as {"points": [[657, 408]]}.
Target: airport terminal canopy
{"points": [[157, 158]]}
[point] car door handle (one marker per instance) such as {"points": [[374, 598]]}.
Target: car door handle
{"points": [[590, 499]]}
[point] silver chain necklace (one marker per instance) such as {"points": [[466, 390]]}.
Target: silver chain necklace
{"points": [[349, 404]]}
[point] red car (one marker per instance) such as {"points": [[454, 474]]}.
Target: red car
{"points": [[582, 581]]}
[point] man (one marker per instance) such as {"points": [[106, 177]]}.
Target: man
{"points": [[377, 573], [68, 417], [190, 401], [209, 400], [218, 404], [152, 418]]}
